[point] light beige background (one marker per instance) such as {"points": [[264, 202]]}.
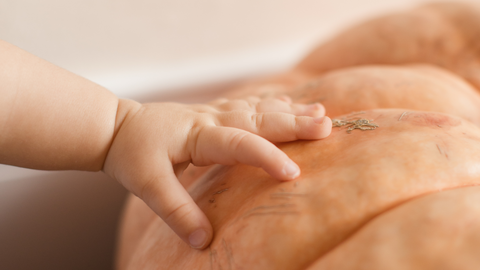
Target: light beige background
{"points": [[145, 50], [133, 47]]}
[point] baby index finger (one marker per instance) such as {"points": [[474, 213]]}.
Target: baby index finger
{"points": [[229, 146]]}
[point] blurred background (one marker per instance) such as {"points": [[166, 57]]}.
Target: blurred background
{"points": [[147, 50]]}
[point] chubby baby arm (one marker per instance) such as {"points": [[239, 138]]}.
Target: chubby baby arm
{"points": [[51, 119], [156, 142]]}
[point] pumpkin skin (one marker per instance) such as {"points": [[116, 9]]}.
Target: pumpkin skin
{"points": [[353, 187], [347, 180], [438, 231], [442, 34], [415, 87]]}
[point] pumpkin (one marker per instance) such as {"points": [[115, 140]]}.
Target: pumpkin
{"points": [[398, 196], [347, 180], [442, 34], [437, 231], [415, 87]]}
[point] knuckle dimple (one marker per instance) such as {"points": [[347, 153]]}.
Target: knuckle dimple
{"points": [[296, 124], [253, 106], [257, 122], [193, 144]]}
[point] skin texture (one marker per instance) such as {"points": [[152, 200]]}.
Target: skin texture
{"points": [[347, 180], [416, 87], [419, 87], [441, 34], [438, 231], [203, 135], [38, 100], [373, 199], [52, 119]]}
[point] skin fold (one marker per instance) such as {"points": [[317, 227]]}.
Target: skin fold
{"points": [[401, 196], [443, 34], [438, 231], [347, 180], [417, 87], [51, 119]]}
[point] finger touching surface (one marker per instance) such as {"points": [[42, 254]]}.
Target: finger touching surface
{"points": [[229, 146], [281, 104], [164, 194], [278, 127], [277, 105]]}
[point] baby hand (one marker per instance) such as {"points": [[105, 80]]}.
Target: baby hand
{"points": [[157, 141]]}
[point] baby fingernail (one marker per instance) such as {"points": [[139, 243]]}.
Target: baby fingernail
{"points": [[291, 170], [198, 238], [319, 120]]}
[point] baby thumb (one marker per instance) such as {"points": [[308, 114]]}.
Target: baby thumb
{"points": [[167, 198]]}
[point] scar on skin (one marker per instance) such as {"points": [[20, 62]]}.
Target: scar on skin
{"points": [[296, 184], [228, 251], [401, 116], [220, 191], [213, 256], [441, 151], [271, 209], [212, 200]]}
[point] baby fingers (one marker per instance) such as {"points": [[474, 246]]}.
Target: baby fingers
{"points": [[278, 127], [229, 146], [277, 105], [257, 105], [164, 194]]}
